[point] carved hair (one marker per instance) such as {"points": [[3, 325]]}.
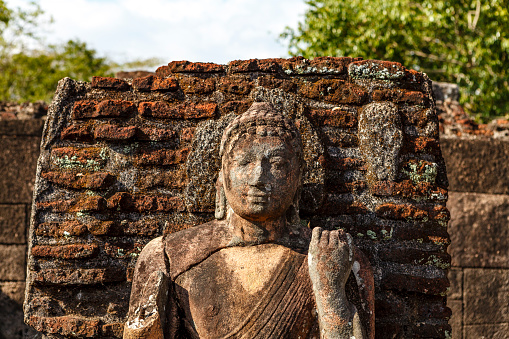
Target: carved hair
{"points": [[263, 120]]}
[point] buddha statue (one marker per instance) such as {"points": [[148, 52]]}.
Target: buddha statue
{"points": [[255, 271]]}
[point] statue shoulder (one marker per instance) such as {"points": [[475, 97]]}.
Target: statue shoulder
{"points": [[191, 246]]}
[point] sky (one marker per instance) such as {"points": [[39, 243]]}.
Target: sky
{"points": [[196, 30]]}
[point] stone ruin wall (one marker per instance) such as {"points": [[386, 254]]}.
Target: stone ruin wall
{"points": [[125, 161]]}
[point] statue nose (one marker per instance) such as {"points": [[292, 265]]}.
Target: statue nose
{"points": [[258, 176]]}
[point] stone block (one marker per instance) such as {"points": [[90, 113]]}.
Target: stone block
{"points": [[486, 296], [12, 259], [479, 229], [110, 83], [11, 311], [487, 331], [32, 127], [456, 320], [476, 165], [13, 224], [18, 162], [456, 279]]}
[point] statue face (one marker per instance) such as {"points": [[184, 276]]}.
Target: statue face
{"points": [[261, 175]]}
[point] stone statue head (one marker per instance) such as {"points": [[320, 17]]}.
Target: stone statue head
{"points": [[261, 166]]}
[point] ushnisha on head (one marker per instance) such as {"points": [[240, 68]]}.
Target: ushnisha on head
{"points": [[262, 163]]}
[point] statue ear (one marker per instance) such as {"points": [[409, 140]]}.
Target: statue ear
{"points": [[221, 205]]}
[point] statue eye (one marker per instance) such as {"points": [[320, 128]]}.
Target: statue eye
{"points": [[278, 162]]}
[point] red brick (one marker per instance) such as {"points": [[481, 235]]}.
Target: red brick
{"points": [[407, 282], [423, 232], [235, 85], [77, 132], [236, 106], [287, 85], [401, 96], [415, 115], [90, 204], [319, 65], [194, 85], [87, 109], [164, 110], [169, 179], [114, 132], [115, 109], [61, 229], [142, 228], [340, 139], [255, 65], [110, 83], [401, 211], [332, 117], [123, 249], [421, 145], [145, 203], [155, 134], [79, 276], [163, 71], [346, 187], [66, 326], [162, 157], [74, 251], [89, 157], [334, 91], [59, 206], [98, 228], [95, 181], [120, 201], [193, 67], [155, 83]]}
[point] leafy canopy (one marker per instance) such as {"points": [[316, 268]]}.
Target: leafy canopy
{"points": [[30, 69], [465, 42]]}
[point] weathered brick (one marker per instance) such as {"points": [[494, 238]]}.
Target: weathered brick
{"points": [[336, 117], [74, 251], [235, 106], [407, 189], [318, 65], [187, 134], [155, 83], [388, 304], [428, 232], [77, 133], [87, 109], [99, 227], [420, 145], [431, 330], [162, 157], [66, 326], [113, 330], [235, 85], [345, 164], [334, 91], [90, 204], [114, 132], [407, 211], [110, 83], [145, 203], [255, 65], [339, 138], [84, 109], [170, 179], [12, 224], [415, 256], [71, 228], [194, 85], [94, 181], [165, 110], [401, 96], [411, 283], [80, 276], [417, 116], [342, 204], [71, 157], [59, 206], [118, 249], [287, 85], [155, 134], [142, 228], [193, 67], [376, 69], [13, 262]]}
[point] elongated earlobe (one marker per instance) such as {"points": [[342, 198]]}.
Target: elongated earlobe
{"points": [[221, 204]]}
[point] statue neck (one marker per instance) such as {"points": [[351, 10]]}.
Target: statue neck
{"points": [[250, 231]]}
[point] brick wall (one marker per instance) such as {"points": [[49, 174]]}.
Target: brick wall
{"points": [[479, 205], [19, 140], [123, 162]]}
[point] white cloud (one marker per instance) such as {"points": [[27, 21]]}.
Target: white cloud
{"points": [[196, 30]]}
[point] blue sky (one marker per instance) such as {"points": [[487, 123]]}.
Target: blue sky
{"points": [[195, 30]]}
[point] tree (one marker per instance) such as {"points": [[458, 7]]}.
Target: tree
{"points": [[465, 42], [30, 69]]}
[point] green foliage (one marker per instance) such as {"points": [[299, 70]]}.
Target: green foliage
{"points": [[31, 69], [465, 42]]}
